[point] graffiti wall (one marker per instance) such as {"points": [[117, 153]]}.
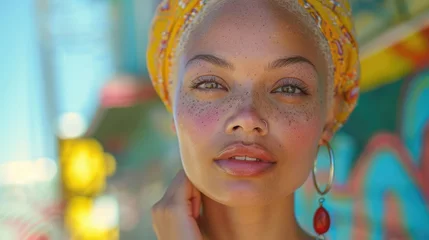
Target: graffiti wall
{"points": [[381, 189]]}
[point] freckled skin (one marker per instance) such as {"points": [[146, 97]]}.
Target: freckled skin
{"points": [[250, 35]]}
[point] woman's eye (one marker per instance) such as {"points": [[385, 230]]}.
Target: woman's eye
{"points": [[210, 85], [288, 89]]}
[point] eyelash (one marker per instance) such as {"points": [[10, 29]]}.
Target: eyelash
{"points": [[291, 83], [204, 80]]}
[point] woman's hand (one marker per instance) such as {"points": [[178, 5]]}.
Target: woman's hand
{"points": [[174, 217]]}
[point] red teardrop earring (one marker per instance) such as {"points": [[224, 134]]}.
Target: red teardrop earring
{"points": [[321, 219]]}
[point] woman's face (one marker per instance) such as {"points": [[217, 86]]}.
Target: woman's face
{"points": [[252, 83]]}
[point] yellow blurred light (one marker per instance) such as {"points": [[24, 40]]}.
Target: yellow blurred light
{"points": [[110, 164], [97, 235], [83, 217], [81, 172], [78, 212], [83, 166]]}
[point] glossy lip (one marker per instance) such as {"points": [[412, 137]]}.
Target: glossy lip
{"points": [[242, 168], [251, 150]]}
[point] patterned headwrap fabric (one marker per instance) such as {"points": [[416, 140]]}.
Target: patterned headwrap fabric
{"points": [[333, 18]]}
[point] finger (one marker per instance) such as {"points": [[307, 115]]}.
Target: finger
{"points": [[196, 201], [186, 193], [185, 190], [174, 186], [189, 195]]}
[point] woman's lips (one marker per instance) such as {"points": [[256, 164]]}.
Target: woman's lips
{"points": [[244, 168], [231, 160]]}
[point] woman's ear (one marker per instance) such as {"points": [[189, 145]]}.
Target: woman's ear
{"points": [[327, 134]]}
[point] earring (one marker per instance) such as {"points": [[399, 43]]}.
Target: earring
{"points": [[321, 219]]}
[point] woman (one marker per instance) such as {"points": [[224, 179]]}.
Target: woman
{"points": [[255, 87]]}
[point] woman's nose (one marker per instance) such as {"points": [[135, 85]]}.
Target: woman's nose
{"points": [[248, 122]]}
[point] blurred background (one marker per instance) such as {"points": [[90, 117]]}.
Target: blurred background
{"points": [[87, 147]]}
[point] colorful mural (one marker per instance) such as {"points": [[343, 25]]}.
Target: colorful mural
{"points": [[408, 54], [385, 193]]}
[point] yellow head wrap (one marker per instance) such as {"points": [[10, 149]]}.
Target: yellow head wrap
{"points": [[333, 17]]}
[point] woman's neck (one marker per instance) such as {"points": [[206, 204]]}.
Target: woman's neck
{"points": [[273, 221]]}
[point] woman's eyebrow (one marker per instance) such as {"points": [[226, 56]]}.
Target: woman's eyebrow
{"points": [[279, 63], [212, 60], [286, 61]]}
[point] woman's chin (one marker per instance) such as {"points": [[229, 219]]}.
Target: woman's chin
{"points": [[242, 194]]}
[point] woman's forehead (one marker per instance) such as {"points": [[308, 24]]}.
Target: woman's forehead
{"points": [[256, 29], [258, 14]]}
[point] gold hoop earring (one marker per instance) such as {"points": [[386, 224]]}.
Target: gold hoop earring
{"points": [[321, 219]]}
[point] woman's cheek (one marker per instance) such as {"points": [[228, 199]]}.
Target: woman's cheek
{"points": [[196, 116], [300, 126]]}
